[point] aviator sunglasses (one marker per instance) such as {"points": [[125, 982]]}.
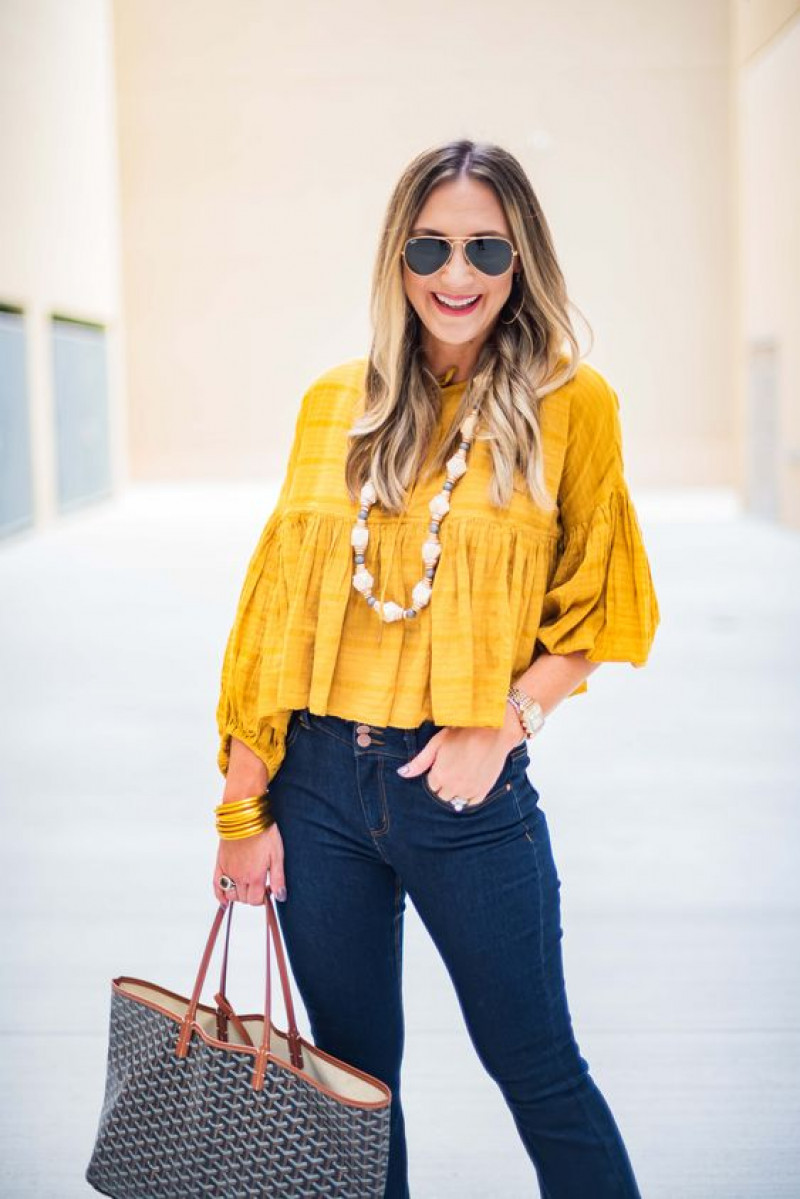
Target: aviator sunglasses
{"points": [[427, 255]]}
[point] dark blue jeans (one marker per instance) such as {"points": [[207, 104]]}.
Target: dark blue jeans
{"points": [[358, 838]]}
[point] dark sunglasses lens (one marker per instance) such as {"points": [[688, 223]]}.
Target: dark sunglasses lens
{"points": [[426, 255], [492, 255]]}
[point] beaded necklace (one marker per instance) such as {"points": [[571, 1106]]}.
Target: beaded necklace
{"points": [[439, 506]]}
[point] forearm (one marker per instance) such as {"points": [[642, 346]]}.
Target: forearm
{"points": [[247, 774], [550, 679]]}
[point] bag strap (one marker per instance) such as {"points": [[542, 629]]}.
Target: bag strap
{"points": [[190, 1017]]}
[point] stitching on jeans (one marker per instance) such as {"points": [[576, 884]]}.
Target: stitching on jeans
{"points": [[379, 832], [523, 821], [598, 1132], [398, 964], [321, 728], [513, 756]]}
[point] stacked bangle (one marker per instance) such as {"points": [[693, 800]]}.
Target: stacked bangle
{"points": [[243, 817]]}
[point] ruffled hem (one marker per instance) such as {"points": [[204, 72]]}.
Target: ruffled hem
{"points": [[304, 637], [267, 741], [602, 599]]}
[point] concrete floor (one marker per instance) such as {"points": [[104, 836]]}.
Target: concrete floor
{"points": [[676, 830]]}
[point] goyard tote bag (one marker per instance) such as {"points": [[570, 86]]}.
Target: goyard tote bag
{"points": [[200, 1101]]}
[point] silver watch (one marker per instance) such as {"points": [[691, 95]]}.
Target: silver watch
{"points": [[529, 710]]}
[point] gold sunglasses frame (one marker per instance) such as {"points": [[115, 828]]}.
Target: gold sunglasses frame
{"points": [[451, 241]]}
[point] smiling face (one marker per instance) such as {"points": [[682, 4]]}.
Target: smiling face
{"points": [[462, 207]]}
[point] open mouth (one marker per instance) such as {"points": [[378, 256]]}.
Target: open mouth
{"points": [[455, 305]]}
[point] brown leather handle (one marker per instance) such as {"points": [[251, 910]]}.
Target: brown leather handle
{"points": [[293, 1035]]}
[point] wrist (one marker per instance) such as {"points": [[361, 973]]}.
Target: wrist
{"points": [[513, 730], [241, 786]]}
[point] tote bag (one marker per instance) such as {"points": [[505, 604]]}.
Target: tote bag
{"points": [[200, 1101]]}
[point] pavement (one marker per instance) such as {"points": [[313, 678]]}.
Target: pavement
{"points": [[675, 824]]}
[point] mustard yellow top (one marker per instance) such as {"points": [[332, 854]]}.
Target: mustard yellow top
{"points": [[575, 579]]}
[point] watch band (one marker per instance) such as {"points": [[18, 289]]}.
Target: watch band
{"points": [[529, 710]]}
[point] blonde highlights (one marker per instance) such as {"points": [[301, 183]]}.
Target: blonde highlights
{"points": [[518, 364]]}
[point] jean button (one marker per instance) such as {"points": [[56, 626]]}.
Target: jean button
{"points": [[364, 739]]}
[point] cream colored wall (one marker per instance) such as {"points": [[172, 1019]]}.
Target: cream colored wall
{"points": [[257, 149], [768, 97], [59, 234], [259, 144]]}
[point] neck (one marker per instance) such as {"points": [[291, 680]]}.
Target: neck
{"points": [[442, 358]]}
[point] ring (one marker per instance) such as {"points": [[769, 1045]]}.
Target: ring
{"points": [[226, 883]]}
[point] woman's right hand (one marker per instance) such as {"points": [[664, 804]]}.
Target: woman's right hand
{"points": [[248, 860]]}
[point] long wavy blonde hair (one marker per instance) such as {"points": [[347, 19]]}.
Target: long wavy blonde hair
{"points": [[518, 364]]}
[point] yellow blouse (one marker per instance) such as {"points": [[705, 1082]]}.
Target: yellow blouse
{"points": [[509, 582]]}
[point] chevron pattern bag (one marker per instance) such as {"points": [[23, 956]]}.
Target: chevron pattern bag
{"points": [[200, 1101]]}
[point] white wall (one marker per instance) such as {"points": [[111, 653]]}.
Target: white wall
{"points": [[59, 232], [769, 104], [259, 144]]}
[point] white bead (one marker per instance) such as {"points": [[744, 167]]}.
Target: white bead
{"points": [[468, 427], [431, 547], [456, 466], [363, 580], [392, 611], [421, 593], [430, 552], [359, 537]]}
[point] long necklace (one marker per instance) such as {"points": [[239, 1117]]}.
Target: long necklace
{"points": [[439, 506]]}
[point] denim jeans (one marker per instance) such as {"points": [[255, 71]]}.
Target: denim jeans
{"points": [[358, 838]]}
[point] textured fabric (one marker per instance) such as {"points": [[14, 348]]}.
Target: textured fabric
{"points": [[182, 1128], [510, 582]]}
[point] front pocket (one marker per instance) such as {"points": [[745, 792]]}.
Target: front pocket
{"points": [[293, 727], [515, 756]]}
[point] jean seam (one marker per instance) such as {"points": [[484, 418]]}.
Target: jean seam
{"points": [[380, 832], [445, 803], [523, 821], [320, 728], [548, 1008], [513, 756], [397, 959]]}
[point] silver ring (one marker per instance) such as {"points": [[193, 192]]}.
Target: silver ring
{"points": [[226, 883]]}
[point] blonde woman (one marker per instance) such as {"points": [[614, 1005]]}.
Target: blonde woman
{"points": [[453, 552]]}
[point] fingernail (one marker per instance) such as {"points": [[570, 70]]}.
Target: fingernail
{"points": [[402, 769], [281, 894]]}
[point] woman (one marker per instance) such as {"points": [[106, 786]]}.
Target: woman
{"points": [[453, 552]]}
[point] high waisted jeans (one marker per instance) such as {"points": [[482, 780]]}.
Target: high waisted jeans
{"points": [[358, 838]]}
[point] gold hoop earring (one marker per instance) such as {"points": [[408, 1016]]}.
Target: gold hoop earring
{"points": [[522, 304]]}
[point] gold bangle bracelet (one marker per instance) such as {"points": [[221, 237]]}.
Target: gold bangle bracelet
{"points": [[241, 834], [240, 805], [234, 825], [242, 813], [245, 822]]}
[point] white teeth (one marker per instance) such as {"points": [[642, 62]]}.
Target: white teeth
{"points": [[464, 302]]}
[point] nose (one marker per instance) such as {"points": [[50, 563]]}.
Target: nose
{"points": [[458, 271]]}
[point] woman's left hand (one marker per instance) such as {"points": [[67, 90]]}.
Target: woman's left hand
{"points": [[464, 762]]}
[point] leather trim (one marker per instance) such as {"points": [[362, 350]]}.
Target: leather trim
{"points": [[121, 982]]}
